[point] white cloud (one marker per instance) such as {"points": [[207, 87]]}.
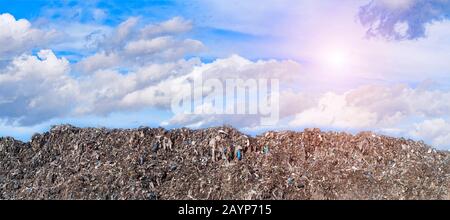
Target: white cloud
{"points": [[289, 73], [401, 28], [166, 47], [99, 14], [175, 25], [382, 16], [148, 46], [156, 84], [437, 130], [123, 32], [397, 4], [130, 47], [35, 96], [334, 111], [17, 36], [394, 110], [137, 68], [101, 60], [36, 88], [375, 106]]}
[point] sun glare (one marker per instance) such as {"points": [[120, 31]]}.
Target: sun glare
{"points": [[337, 59]]}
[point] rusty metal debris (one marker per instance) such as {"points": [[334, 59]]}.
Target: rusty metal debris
{"points": [[219, 163]]}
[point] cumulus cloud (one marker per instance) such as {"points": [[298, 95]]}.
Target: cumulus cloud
{"points": [[131, 46], [375, 106], [436, 130], [18, 36], [398, 110], [165, 47], [394, 110], [101, 60], [334, 111], [123, 32], [402, 19], [397, 4], [36, 88], [234, 67], [149, 86], [138, 67], [175, 25]]}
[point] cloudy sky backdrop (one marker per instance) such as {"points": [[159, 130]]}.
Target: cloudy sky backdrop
{"points": [[350, 65]]}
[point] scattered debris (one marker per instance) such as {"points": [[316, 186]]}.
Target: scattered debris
{"points": [[219, 163]]}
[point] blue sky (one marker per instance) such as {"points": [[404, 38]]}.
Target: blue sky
{"points": [[343, 65], [113, 12]]}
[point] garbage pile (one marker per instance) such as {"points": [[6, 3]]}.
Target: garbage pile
{"points": [[219, 163]]}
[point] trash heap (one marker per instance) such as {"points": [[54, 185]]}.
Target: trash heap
{"points": [[219, 163]]}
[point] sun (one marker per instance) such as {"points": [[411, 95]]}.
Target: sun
{"points": [[337, 59]]}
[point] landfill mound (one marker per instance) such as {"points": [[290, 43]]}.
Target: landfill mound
{"points": [[219, 163]]}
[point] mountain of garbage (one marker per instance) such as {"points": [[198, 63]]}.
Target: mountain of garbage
{"points": [[219, 163]]}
